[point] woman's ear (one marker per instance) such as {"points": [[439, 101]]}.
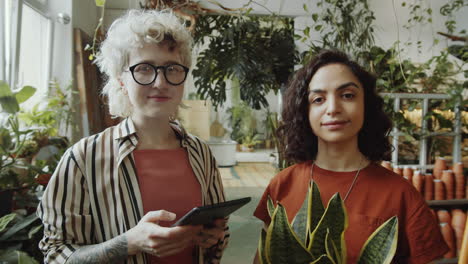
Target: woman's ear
{"points": [[122, 86]]}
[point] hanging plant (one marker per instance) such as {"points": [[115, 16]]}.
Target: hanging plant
{"points": [[346, 25], [257, 51]]}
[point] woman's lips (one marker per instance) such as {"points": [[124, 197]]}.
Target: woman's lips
{"points": [[335, 125], [159, 98]]}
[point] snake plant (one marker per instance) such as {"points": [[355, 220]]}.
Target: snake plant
{"points": [[317, 235]]}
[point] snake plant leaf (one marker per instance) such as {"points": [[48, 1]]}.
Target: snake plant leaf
{"points": [[282, 245], [301, 221], [20, 225], [270, 206], [335, 220], [316, 209], [323, 259], [25, 93], [5, 220], [332, 251], [380, 247], [261, 248]]}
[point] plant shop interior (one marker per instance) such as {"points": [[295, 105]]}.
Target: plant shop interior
{"points": [[244, 56]]}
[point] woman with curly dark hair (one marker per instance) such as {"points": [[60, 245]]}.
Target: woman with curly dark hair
{"points": [[336, 132]]}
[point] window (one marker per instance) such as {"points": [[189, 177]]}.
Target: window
{"points": [[25, 49], [34, 57]]}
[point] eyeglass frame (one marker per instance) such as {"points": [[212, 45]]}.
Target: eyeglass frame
{"points": [[156, 68]]}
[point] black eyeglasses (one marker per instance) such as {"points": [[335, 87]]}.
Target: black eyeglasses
{"points": [[145, 73]]}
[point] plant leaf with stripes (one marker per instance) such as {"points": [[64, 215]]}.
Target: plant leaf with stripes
{"points": [[332, 251], [261, 248], [323, 259], [270, 206], [336, 221], [316, 209], [380, 247], [301, 221], [282, 245]]}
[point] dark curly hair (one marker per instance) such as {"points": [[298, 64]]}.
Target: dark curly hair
{"points": [[299, 143]]}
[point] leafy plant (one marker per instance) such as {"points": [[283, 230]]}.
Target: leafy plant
{"points": [[257, 51], [54, 114], [343, 24], [19, 236], [317, 235], [22, 135], [243, 122]]}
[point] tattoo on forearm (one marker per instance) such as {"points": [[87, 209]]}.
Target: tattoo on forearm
{"points": [[111, 251]]}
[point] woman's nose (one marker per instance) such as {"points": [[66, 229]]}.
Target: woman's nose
{"points": [[160, 81], [333, 106]]}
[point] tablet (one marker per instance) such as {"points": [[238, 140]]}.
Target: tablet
{"points": [[205, 215]]}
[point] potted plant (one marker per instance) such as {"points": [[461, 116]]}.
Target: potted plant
{"points": [[23, 170], [317, 235]]}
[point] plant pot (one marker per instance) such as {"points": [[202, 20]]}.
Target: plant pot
{"points": [[245, 148], [6, 202]]}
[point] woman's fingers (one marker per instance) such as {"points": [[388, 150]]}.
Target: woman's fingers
{"points": [[209, 237], [160, 215], [172, 248]]}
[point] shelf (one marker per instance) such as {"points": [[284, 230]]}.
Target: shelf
{"points": [[446, 261], [456, 203]]}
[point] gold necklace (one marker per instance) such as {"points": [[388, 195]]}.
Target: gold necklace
{"points": [[350, 187]]}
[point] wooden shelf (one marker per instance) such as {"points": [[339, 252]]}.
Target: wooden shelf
{"points": [[456, 203], [446, 261]]}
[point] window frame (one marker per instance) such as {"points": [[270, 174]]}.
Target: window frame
{"points": [[15, 40]]}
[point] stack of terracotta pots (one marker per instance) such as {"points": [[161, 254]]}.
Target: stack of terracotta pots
{"points": [[452, 225], [442, 184]]}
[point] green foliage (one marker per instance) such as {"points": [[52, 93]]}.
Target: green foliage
{"points": [[343, 24], [243, 123], [258, 51], [19, 238], [54, 114], [449, 9], [321, 235]]}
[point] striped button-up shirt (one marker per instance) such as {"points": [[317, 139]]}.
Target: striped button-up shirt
{"points": [[94, 194]]}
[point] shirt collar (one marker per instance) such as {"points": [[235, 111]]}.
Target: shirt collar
{"points": [[126, 128]]}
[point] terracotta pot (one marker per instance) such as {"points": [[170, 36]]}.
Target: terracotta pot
{"points": [[449, 237], [408, 173], [458, 168], [439, 190], [449, 180], [418, 181], [398, 170], [444, 216], [387, 165], [428, 187], [458, 225], [439, 166], [460, 181]]}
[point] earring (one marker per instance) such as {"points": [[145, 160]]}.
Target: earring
{"points": [[171, 118]]}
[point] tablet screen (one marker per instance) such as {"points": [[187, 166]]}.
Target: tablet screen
{"points": [[205, 215]]}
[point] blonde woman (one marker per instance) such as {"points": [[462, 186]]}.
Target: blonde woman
{"points": [[114, 195]]}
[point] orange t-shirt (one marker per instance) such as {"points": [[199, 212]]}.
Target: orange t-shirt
{"points": [[377, 195], [167, 181]]}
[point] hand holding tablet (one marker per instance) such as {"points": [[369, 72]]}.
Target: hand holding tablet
{"points": [[205, 215]]}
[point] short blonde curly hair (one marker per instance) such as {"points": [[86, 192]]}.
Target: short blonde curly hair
{"points": [[132, 31]]}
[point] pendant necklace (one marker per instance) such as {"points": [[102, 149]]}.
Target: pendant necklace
{"points": [[350, 187]]}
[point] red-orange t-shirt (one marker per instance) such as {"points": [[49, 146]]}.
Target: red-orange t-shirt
{"points": [[167, 181], [377, 195]]}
